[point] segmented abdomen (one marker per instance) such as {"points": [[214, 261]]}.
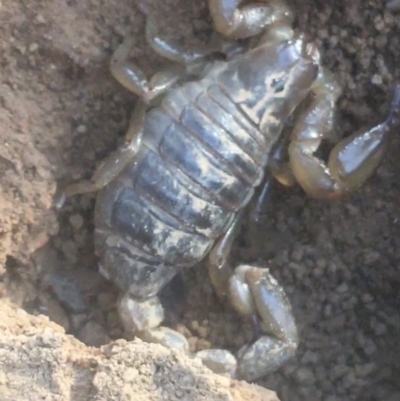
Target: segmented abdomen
{"points": [[198, 163]]}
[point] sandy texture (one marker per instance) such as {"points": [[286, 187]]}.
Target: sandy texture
{"points": [[61, 113], [38, 361]]}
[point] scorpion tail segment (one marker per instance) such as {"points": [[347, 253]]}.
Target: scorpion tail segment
{"points": [[237, 22]]}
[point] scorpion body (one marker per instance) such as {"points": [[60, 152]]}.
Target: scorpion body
{"points": [[201, 156], [193, 158]]}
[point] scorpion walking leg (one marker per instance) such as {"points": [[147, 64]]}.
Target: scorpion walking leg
{"points": [[249, 20], [257, 297], [185, 60], [170, 49], [261, 199], [220, 360], [353, 160], [115, 163], [218, 268], [279, 165], [132, 78]]}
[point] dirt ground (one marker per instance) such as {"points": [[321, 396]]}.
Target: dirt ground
{"points": [[61, 113], [39, 362]]}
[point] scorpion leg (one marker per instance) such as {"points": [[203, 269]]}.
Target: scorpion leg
{"points": [[278, 165], [352, 161], [221, 360], [115, 163], [170, 49], [218, 268], [257, 297], [132, 78], [186, 60], [237, 22], [261, 199]]}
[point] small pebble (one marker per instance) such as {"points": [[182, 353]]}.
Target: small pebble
{"points": [[33, 47], [342, 288], [218, 360], [165, 336], [76, 221], [39, 19], [305, 375], [377, 80], [81, 129], [364, 370]]}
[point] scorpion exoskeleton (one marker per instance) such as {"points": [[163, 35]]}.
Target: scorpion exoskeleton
{"points": [[194, 154]]}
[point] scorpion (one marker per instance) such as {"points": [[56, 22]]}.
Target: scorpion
{"points": [[206, 133]]}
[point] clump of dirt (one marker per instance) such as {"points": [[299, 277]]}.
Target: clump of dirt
{"points": [[38, 361], [61, 113]]}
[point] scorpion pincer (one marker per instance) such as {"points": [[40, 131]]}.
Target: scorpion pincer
{"points": [[194, 154]]}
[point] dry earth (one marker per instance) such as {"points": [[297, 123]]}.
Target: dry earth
{"points": [[39, 362]]}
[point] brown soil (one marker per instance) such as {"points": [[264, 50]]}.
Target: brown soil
{"points": [[38, 361], [61, 113]]}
